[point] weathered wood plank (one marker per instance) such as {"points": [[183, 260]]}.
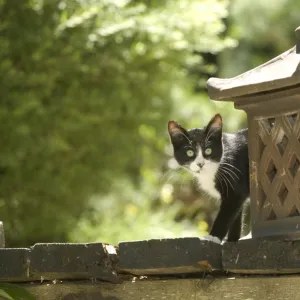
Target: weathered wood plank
{"points": [[256, 256], [242, 288], [169, 256]]}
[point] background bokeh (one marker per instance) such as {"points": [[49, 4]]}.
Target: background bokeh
{"points": [[87, 88]]}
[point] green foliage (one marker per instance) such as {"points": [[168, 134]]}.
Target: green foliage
{"points": [[4, 295], [86, 90], [14, 292], [269, 35], [126, 214]]}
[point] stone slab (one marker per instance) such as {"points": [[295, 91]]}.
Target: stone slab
{"points": [[169, 256], [14, 264], [258, 256], [71, 261]]}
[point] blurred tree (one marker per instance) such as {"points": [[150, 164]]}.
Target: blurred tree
{"points": [[86, 89], [264, 30]]}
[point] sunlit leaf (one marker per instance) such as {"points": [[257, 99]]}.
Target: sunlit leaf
{"points": [[5, 295], [15, 292]]}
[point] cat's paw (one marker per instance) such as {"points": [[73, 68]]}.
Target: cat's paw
{"points": [[212, 239]]}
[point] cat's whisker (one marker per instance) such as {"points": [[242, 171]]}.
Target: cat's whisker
{"points": [[224, 178], [170, 178], [183, 183], [229, 174], [231, 171], [164, 175], [174, 170], [185, 178], [219, 180], [185, 175], [221, 169], [224, 163], [187, 169], [226, 182], [181, 170]]}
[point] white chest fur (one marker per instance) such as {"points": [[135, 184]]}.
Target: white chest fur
{"points": [[206, 178]]}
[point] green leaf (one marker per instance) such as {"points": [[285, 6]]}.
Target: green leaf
{"points": [[5, 295], [15, 292]]}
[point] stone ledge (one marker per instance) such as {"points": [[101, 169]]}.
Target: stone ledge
{"points": [[101, 261], [256, 256], [159, 257], [58, 261], [169, 256], [71, 261], [14, 264]]}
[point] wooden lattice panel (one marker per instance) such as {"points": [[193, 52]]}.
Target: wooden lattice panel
{"points": [[278, 172]]}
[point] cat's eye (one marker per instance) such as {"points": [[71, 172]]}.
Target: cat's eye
{"points": [[208, 151], [190, 153]]}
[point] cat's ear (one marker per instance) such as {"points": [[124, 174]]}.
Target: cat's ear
{"points": [[215, 123], [177, 132]]}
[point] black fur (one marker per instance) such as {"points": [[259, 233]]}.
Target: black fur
{"points": [[232, 176]]}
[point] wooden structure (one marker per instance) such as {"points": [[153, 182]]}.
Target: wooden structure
{"points": [[270, 95]]}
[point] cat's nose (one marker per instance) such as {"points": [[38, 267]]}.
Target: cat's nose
{"points": [[200, 165]]}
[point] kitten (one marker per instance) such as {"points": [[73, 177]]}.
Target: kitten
{"points": [[219, 162]]}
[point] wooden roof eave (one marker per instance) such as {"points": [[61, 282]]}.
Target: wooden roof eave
{"points": [[281, 72]]}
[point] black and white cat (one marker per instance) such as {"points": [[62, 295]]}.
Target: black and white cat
{"points": [[219, 162]]}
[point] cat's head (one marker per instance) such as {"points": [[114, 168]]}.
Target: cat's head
{"points": [[197, 149]]}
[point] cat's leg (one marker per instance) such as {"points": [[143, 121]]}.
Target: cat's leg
{"points": [[235, 229], [246, 221], [229, 209], [247, 237]]}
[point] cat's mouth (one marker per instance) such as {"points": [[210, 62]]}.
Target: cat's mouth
{"points": [[197, 172], [196, 169]]}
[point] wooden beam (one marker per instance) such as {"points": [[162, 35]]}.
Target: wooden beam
{"points": [[237, 288]]}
